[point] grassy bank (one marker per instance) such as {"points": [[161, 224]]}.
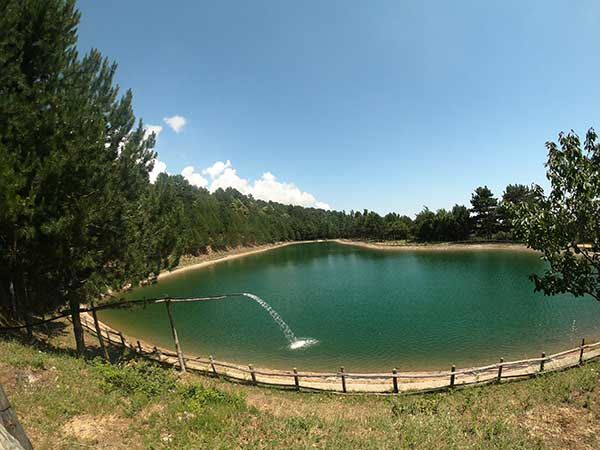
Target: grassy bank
{"points": [[69, 403]]}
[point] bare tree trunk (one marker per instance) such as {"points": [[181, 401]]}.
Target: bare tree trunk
{"points": [[77, 328], [28, 324], [9, 420], [13, 299], [27, 308]]}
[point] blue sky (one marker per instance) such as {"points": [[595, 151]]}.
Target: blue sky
{"points": [[385, 105]]}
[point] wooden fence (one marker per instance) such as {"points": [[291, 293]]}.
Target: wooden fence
{"points": [[343, 381]]}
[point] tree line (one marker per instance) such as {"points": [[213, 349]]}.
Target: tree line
{"points": [[196, 219], [78, 215]]}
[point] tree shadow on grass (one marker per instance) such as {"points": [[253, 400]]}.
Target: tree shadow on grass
{"points": [[57, 338]]}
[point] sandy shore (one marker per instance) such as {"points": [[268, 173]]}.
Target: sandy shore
{"points": [[228, 255], [444, 246]]}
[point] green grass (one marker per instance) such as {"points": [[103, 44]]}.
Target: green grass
{"points": [[69, 403]]}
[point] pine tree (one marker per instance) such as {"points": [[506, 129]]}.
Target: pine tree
{"points": [[484, 212], [77, 166]]}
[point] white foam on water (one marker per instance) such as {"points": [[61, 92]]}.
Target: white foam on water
{"points": [[301, 343]]}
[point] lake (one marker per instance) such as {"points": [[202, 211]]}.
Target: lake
{"points": [[369, 310]]}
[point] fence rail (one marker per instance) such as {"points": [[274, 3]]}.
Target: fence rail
{"points": [[348, 382]]}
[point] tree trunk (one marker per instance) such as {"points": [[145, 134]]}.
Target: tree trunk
{"points": [[28, 325], [77, 328], [10, 422]]}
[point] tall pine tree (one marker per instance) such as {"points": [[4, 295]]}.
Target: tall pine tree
{"points": [[76, 166]]}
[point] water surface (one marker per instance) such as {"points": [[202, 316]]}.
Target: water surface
{"points": [[369, 309]]}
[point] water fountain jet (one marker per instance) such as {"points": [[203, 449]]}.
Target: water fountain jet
{"points": [[294, 342]]}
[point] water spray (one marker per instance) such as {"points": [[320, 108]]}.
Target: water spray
{"points": [[294, 342]]}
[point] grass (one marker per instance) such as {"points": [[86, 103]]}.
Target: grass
{"points": [[70, 403]]}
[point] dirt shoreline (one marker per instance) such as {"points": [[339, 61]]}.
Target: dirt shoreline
{"points": [[239, 252], [228, 255], [443, 246]]}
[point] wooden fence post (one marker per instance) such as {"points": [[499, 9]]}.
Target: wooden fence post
{"points": [[543, 361], [581, 351], [395, 380], [157, 352], [123, 343], [175, 338], [212, 365], [343, 379], [452, 376], [500, 370], [296, 379], [99, 333], [11, 423], [252, 373]]}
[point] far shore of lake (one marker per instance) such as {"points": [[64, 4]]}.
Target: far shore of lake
{"points": [[437, 246], [214, 257]]}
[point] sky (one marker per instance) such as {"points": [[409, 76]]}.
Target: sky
{"points": [[384, 105]]}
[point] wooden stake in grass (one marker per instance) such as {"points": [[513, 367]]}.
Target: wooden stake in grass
{"points": [[395, 380], [296, 379], [343, 379], [581, 351], [543, 361], [175, 338], [452, 376], [99, 334], [252, 373], [212, 364], [500, 370]]}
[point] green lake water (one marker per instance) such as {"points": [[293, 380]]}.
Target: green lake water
{"points": [[369, 309]]}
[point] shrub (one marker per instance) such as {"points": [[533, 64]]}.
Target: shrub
{"points": [[196, 396], [135, 377]]}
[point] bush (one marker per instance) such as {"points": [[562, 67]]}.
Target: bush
{"points": [[135, 377], [196, 396]]}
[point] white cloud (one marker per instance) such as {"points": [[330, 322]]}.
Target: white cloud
{"points": [[217, 168], [266, 188], [176, 123], [194, 178], [230, 178], [159, 167], [149, 129]]}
